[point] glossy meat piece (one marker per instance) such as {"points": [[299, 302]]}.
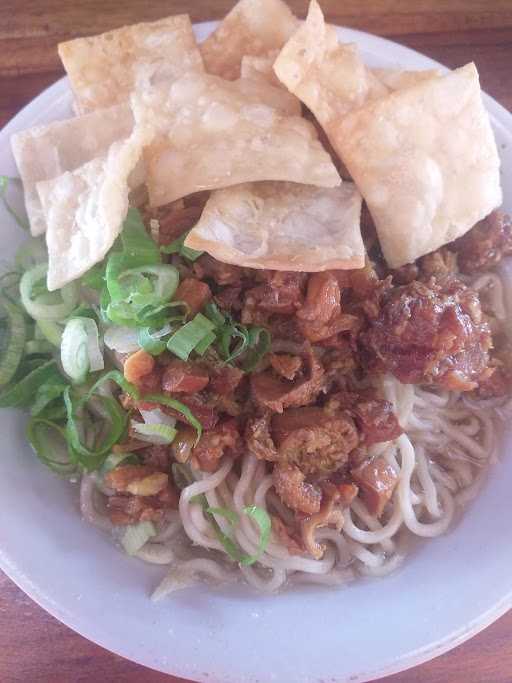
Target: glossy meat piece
{"points": [[194, 293], [224, 380], [158, 457], [182, 377], [183, 443], [431, 334], [258, 439], [229, 298], [294, 491], [314, 440], [286, 365], [339, 361], [320, 318], [322, 299], [174, 219], [224, 439], [281, 292], [362, 281], [405, 274], [275, 394], [321, 332], [498, 382], [328, 515], [126, 509], [286, 335], [438, 264], [206, 414], [221, 273], [484, 246], [347, 493], [139, 480], [148, 384], [376, 421], [137, 365], [376, 480]]}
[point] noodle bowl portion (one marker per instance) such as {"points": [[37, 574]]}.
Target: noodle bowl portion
{"points": [[446, 440]]}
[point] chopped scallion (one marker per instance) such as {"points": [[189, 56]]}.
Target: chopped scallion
{"points": [[137, 535], [185, 340]]}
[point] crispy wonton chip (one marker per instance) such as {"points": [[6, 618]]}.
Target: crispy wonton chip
{"points": [[253, 27], [426, 162], [282, 226], [260, 68], [85, 209], [212, 133], [45, 152], [330, 78], [104, 69], [397, 79]]}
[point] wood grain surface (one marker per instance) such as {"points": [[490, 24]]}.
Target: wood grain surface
{"points": [[34, 647]]}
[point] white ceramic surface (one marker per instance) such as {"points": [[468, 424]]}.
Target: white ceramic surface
{"points": [[447, 591]]}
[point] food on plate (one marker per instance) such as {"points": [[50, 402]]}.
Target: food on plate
{"points": [[396, 79], [252, 372], [260, 68], [45, 152], [212, 133], [423, 157], [283, 226], [426, 179], [104, 69], [253, 28], [84, 209], [329, 77]]}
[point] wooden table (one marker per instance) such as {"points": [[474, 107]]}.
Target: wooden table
{"points": [[33, 646]]}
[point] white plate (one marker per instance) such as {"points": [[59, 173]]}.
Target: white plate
{"points": [[451, 588]]}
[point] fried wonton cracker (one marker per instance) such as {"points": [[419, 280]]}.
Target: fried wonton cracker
{"points": [[425, 161], [47, 151], [85, 209], [252, 27], [212, 133], [397, 79], [104, 69], [330, 78], [282, 226], [260, 68]]}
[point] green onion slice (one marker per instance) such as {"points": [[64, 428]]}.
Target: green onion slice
{"points": [[178, 247], [114, 459], [38, 347], [152, 342], [159, 434], [259, 516], [258, 346], [80, 350], [51, 331], [39, 308], [116, 420], [185, 340], [137, 535], [180, 408], [14, 341], [48, 439], [22, 393]]}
